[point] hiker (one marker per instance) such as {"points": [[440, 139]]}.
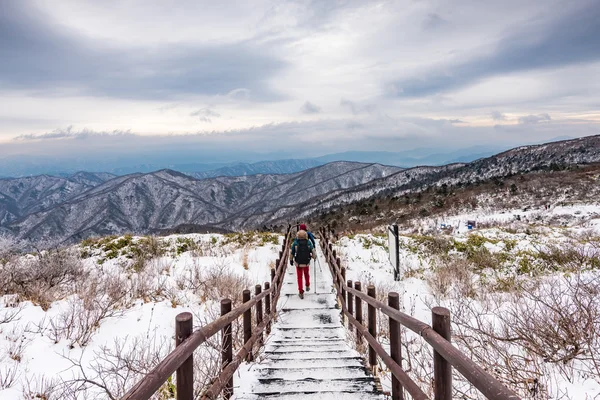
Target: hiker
{"points": [[311, 237], [302, 251]]}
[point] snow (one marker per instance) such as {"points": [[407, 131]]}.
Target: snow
{"points": [[312, 346], [147, 320], [365, 257]]}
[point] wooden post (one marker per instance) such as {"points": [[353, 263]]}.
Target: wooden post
{"points": [[268, 307], [247, 323], [442, 370], [338, 267], [227, 349], [395, 345], [259, 312], [372, 318], [185, 373], [358, 307], [343, 293], [273, 272], [350, 304]]}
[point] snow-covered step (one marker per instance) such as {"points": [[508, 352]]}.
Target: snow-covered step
{"points": [[316, 347], [299, 355], [356, 385], [346, 361], [307, 355], [314, 396], [347, 372]]}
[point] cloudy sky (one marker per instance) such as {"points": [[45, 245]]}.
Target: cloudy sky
{"points": [[297, 77]]}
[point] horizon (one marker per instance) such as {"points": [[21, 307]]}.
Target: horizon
{"points": [[465, 156], [245, 83]]}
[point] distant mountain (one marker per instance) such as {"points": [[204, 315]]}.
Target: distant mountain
{"points": [[415, 157], [263, 167], [83, 205], [23, 196], [521, 159], [142, 203]]}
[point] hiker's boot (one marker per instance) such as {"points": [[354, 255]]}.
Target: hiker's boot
{"points": [[301, 295], [308, 288]]}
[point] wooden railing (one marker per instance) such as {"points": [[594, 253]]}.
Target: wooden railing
{"points": [[445, 355], [181, 361]]}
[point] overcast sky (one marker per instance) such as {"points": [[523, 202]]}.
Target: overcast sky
{"points": [[311, 77]]}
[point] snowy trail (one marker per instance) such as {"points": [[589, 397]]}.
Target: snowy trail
{"points": [[307, 355]]}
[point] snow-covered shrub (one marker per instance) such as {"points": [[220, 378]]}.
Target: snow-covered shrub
{"points": [[9, 373], [97, 300], [116, 368], [452, 277], [40, 388], [526, 338], [47, 276]]}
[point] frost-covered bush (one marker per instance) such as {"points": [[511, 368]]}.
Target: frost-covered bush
{"points": [[44, 277]]}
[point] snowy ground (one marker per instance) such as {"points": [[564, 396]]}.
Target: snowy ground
{"points": [[515, 245], [504, 250], [32, 359]]}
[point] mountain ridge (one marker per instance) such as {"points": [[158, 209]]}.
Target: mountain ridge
{"points": [[164, 199]]}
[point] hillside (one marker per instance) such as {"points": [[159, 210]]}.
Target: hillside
{"points": [[23, 196], [141, 203], [550, 156]]}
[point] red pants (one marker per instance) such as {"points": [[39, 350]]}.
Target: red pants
{"points": [[302, 271]]}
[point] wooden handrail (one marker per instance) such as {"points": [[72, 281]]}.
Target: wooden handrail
{"points": [[148, 385], [410, 386], [215, 389], [477, 376], [155, 378]]}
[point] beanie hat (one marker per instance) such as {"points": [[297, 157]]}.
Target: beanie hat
{"points": [[303, 227]]}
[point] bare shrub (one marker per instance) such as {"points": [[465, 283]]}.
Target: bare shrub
{"points": [[9, 374], [219, 281], [116, 368], [48, 276], [453, 276], [8, 248], [207, 360], [11, 310], [39, 388], [552, 324], [98, 300]]}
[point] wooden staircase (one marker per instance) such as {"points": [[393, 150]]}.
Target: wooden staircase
{"points": [[307, 355]]}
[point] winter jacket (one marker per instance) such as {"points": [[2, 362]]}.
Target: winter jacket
{"points": [[302, 235]]}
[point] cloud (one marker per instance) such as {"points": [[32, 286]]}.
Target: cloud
{"points": [[572, 37], [534, 119], [310, 108], [205, 114], [223, 75], [498, 116], [70, 133], [356, 108], [39, 55], [433, 21]]}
